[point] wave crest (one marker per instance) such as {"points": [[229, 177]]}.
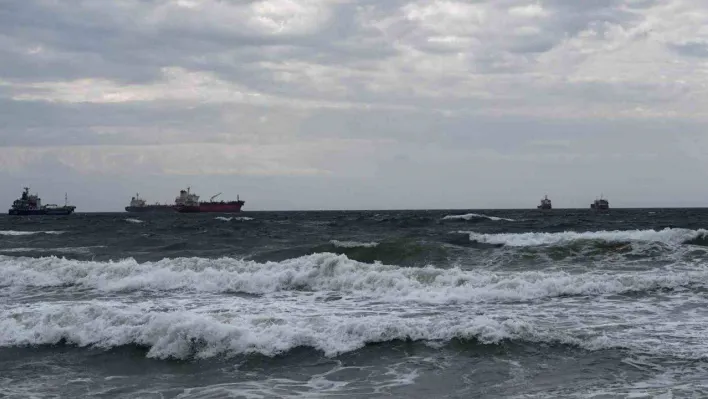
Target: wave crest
{"points": [[471, 216], [667, 236], [186, 334], [328, 272]]}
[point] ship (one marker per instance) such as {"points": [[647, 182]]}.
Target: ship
{"points": [[600, 204], [188, 202], [545, 203], [31, 204], [138, 204]]}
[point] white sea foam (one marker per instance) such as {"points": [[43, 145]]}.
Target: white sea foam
{"points": [[329, 272], [133, 220], [213, 326], [337, 305], [470, 216], [183, 333], [230, 218], [353, 244], [667, 236], [27, 233]]}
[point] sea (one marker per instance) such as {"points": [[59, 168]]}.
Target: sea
{"points": [[356, 304]]}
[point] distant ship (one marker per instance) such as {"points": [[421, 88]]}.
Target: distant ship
{"points": [[138, 204], [187, 202], [31, 204], [600, 204], [545, 203]]}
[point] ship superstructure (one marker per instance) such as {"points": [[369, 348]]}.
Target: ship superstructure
{"points": [[31, 204], [545, 203], [187, 202], [600, 204]]}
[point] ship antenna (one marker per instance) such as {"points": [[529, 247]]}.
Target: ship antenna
{"points": [[66, 199]]}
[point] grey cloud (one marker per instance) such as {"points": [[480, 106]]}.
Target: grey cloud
{"points": [[84, 40], [32, 123], [691, 49], [109, 43]]}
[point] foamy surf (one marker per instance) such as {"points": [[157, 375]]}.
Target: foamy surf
{"points": [[236, 218], [326, 273], [189, 329], [470, 216], [134, 220], [668, 236], [183, 334]]}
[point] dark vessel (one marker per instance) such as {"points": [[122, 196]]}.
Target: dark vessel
{"points": [[189, 203], [31, 204], [138, 204], [545, 203], [600, 204]]}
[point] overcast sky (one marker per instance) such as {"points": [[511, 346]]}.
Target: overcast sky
{"points": [[355, 104]]}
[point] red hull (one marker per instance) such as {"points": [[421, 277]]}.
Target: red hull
{"points": [[214, 207]]}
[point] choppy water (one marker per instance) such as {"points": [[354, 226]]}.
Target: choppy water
{"points": [[409, 304]]}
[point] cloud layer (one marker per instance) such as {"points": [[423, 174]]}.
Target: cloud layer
{"points": [[357, 103]]}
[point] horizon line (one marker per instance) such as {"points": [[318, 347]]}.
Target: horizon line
{"points": [[414, 209]]}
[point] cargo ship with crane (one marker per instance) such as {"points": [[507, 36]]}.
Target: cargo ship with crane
{"points": [[188, 202]]}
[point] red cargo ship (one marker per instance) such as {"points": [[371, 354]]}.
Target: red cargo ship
{"points": [[189, 203]]}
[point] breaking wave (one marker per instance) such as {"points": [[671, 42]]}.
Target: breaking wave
{"points": [[403, 252], [667, 236], [326, 273], [185, 334], [133, 220], [471, 216], [175, 331]]}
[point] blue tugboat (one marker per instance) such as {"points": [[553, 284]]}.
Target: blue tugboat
{"points": [[31, 204]]}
